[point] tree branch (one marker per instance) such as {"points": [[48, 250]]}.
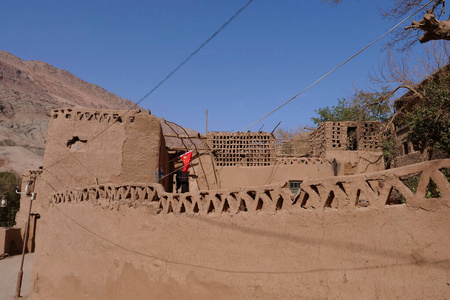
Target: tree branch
{"points": [[434, 29]]}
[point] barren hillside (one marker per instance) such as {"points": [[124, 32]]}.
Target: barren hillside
{"points": [[29, 90]]}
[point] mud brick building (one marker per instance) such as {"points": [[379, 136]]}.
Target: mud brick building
{"points": [[356, 146], [249, 149], [253, 225]]}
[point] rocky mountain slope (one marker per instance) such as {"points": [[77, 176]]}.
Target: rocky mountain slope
{"points": [[29, 90]]}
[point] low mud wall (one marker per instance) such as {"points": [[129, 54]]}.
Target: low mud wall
{"points": [[282, 170], [137, 242]]}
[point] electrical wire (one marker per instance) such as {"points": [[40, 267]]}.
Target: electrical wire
{"points": [[195, 52], [175, 70], [167, 77], [340, 65], [154, 257]]}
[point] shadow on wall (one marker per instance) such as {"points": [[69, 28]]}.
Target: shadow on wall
{"points": [[304, 240], [410, 257]]}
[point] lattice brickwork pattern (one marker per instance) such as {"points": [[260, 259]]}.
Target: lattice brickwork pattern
{"points": [[339, 192], [242, 149], [336, 136], [344, 135], [370, 138], [317, 141]]}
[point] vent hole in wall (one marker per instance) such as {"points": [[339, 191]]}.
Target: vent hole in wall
{"points": [[75, 143]]}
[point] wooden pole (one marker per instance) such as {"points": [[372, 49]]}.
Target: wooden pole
{"points": [[206, 112], [25, 241]]}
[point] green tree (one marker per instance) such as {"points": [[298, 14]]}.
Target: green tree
{"points": [[8, 181], [428, 117], [343, 111], [425, 110], [363, 106]]}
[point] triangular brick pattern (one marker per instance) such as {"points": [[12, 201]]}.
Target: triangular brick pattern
{"points": [[80, 115], [369, 191]]}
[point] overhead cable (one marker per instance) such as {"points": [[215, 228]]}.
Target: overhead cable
{"points": [[340, 65], [194, 53]]}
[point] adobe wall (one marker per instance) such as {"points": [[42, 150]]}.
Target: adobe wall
{"points": [[86, 147], [139, 242], [249, 149], [204, 173], [398, 253], [346, 135], [356, 162], [283, 170]]}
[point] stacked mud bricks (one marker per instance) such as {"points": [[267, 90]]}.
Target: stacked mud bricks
{"points": [[361, 135], [242, 149]]}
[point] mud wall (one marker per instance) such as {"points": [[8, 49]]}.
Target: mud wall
{"points": [[249, 149], [356, 162], [347, 135], [135, 241], [204, 173], [86, 147], [397, 253], [283, 170]]}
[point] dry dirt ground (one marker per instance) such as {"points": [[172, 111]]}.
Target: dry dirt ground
{"points": [[9, 269]]}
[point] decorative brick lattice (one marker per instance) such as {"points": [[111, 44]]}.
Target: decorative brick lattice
{"points": [[283, 160], [317, 141], [337, 192], [242, 149], [370, 137], [91, 115], [345, 136]]}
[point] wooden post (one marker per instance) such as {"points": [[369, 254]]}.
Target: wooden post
{"points": [[25, 242], [206, 112]]}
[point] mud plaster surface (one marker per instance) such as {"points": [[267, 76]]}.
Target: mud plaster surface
{"points": [[396, 252]]}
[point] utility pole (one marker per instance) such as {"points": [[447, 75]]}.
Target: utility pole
{"points": [[28, 192], [206, 112]]}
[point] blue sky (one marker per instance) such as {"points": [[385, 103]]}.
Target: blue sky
{"points": [[269, 53]]}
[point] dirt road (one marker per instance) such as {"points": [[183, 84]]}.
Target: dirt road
{"points": [[9, 268]]}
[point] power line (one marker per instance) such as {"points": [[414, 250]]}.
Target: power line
{"points": [[195, 52], [154, 257], [340, 65]]}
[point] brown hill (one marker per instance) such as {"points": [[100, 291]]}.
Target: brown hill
{"points": [[29, 90]]}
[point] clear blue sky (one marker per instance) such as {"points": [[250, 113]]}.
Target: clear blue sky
{"points": [[268, 54]]}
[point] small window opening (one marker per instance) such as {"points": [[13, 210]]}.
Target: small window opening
{"points": [[405, 148], [351, 139], [75, 143], [294, 186]]}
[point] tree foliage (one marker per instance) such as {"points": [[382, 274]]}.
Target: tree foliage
{"points": [[292, 141], [8, 181], [428, 118], [425, 111], [363, 106]]}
